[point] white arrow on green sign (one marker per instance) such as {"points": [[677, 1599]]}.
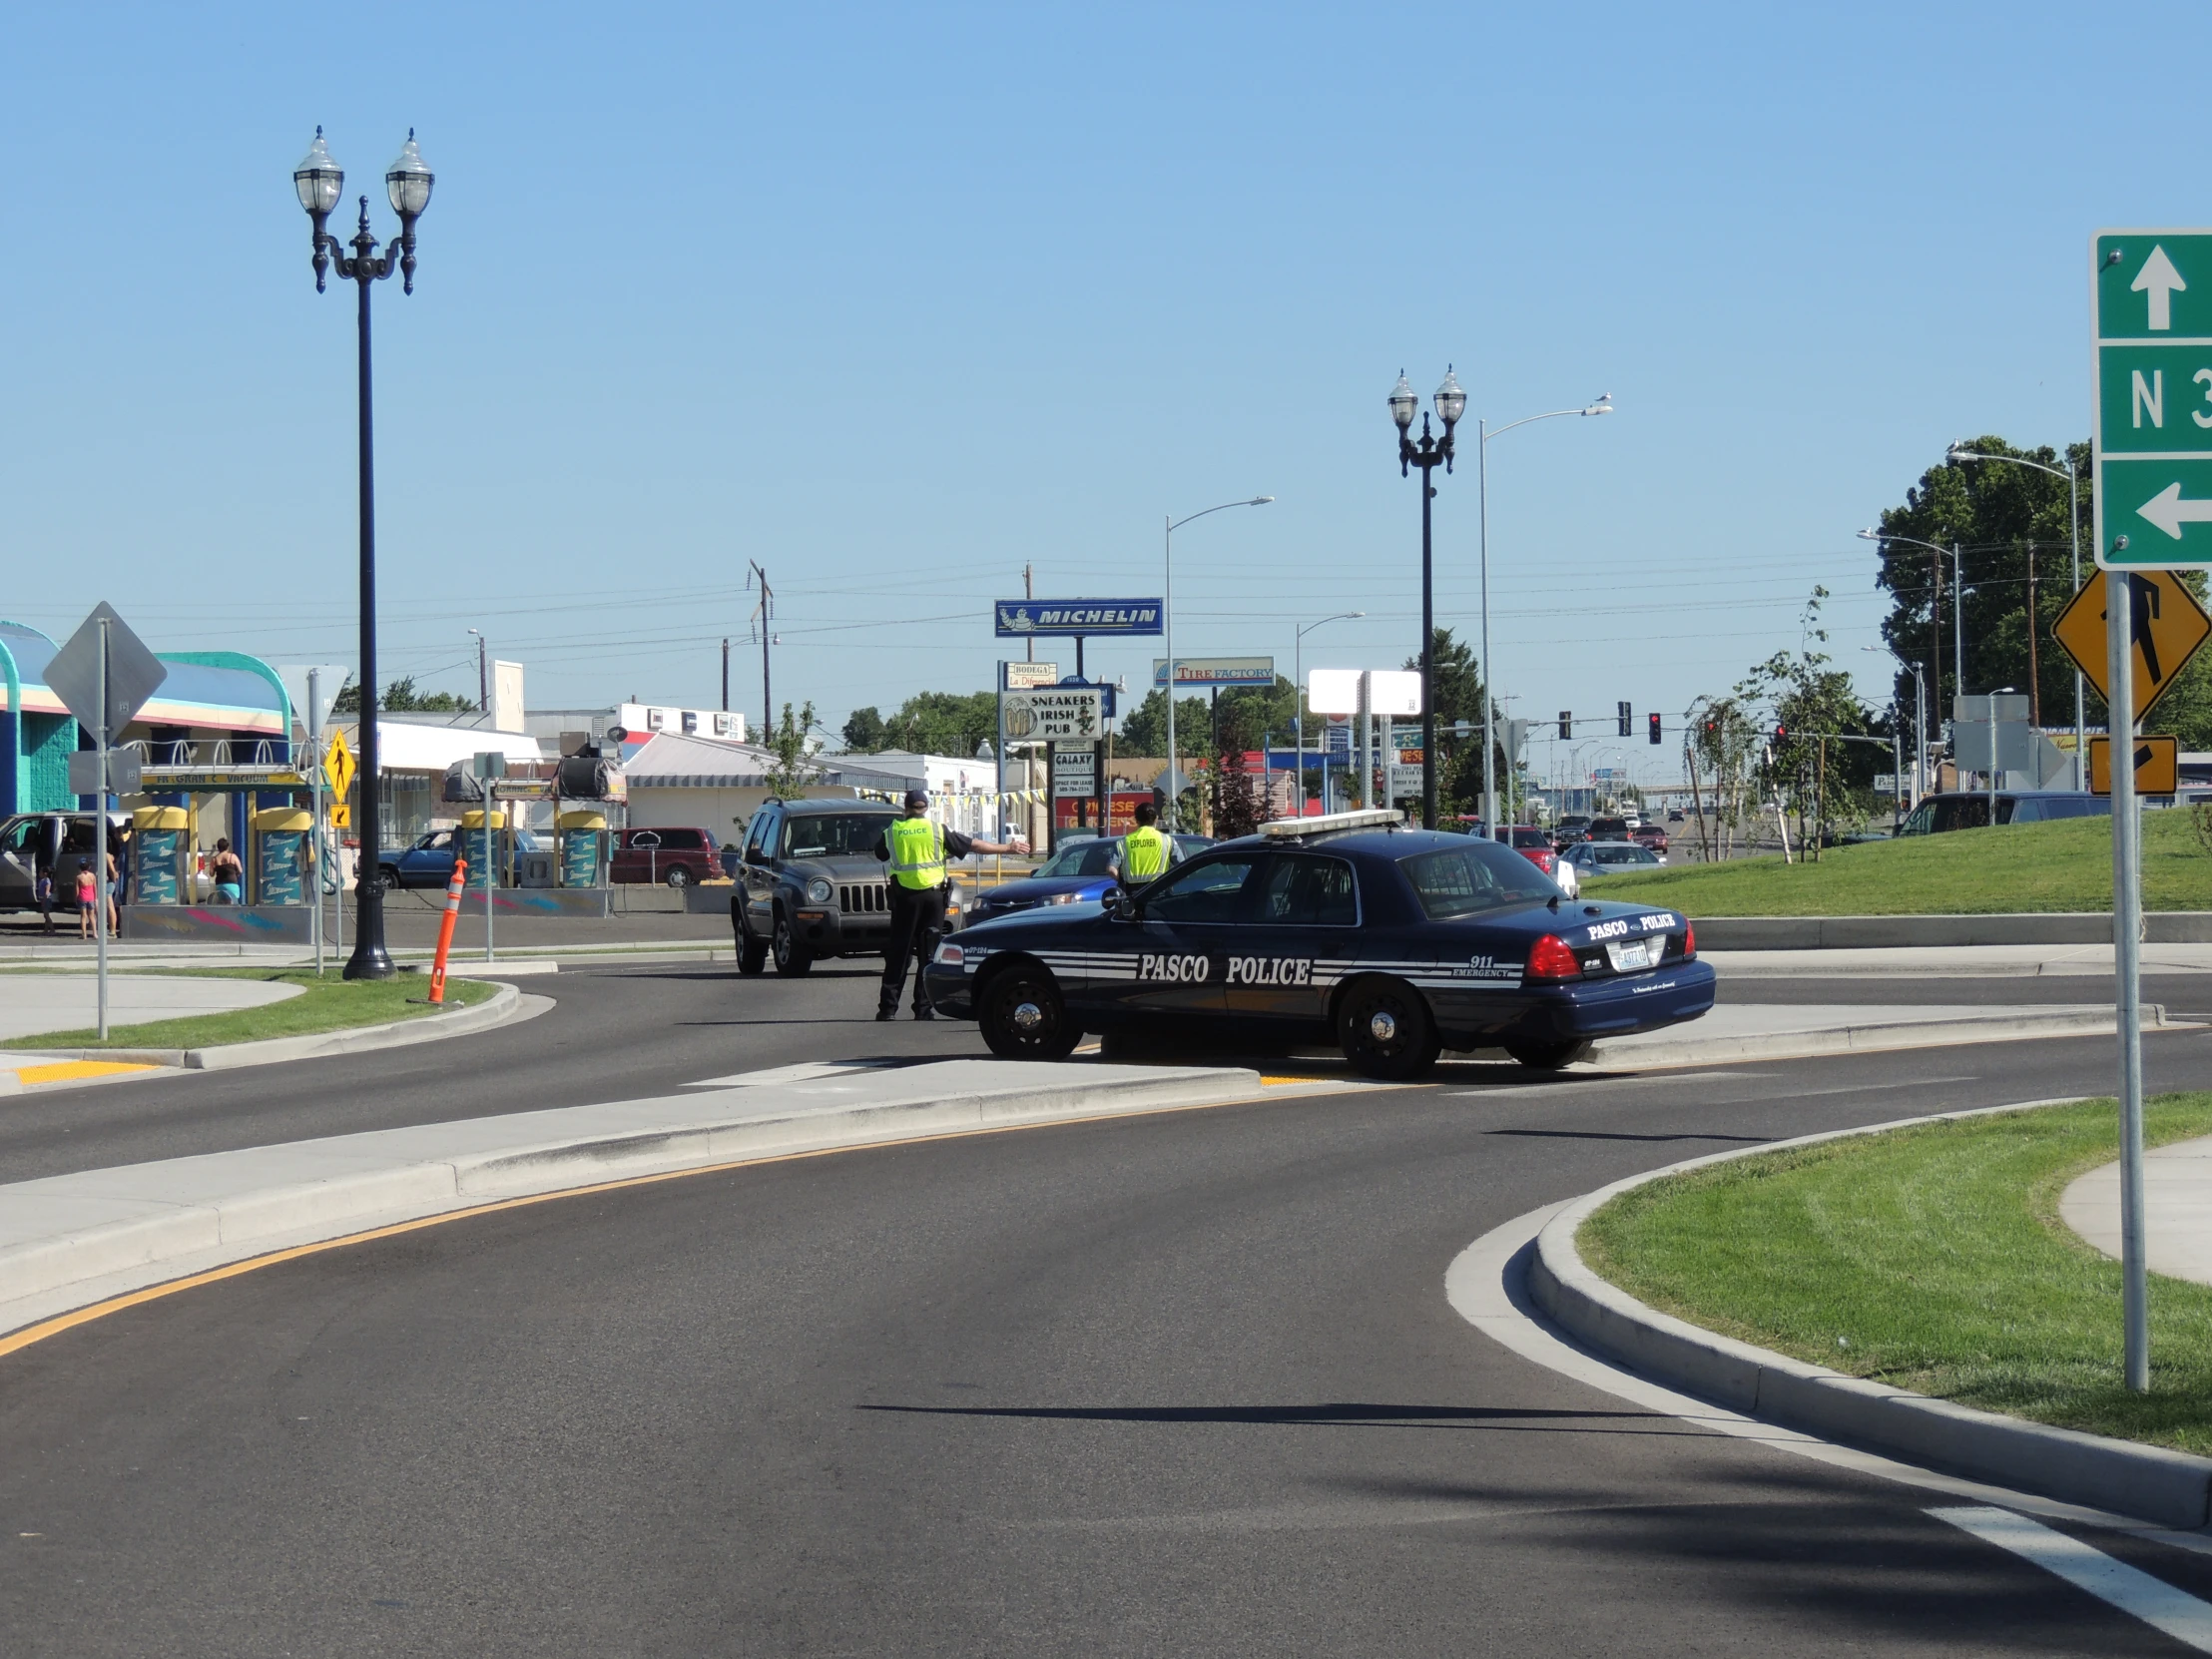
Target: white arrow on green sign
{"points": [[2152, 438]]}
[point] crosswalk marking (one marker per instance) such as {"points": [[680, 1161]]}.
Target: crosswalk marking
{"points": [[2157, 1603]]}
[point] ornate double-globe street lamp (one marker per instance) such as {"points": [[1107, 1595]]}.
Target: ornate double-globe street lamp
{"points": [[319, 182], [1451, 404]]}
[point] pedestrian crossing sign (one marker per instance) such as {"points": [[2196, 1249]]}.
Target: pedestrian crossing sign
{"points": [[2168, 626]]}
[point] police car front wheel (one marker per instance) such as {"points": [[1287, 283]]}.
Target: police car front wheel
{"points": [[1384, 1030], [1024, 1017]]}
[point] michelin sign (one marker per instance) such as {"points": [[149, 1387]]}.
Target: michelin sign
{"points": [[1028, 618]]}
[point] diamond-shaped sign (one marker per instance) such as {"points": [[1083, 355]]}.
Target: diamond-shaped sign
{"points": [[338, 766], [134, 673], [2169, 625]]}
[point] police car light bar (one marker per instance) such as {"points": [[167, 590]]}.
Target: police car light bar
{"points": [[1373, 818]]}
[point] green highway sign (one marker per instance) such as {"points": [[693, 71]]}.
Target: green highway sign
{"points": [[2151, 293]]}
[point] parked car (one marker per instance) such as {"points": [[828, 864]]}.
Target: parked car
{"points": [[1535, 846], [430, 863], [1650, 835], [1611, 858], [1075, 874], [55, 841], [1610, 829], [673, 858], [1964, 810]]}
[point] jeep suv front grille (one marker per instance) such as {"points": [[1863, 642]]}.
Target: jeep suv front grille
{"points": [[865, 898]]}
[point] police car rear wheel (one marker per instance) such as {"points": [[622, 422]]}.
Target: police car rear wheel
{"points": [[1386, 1032], [1025, 1018]]}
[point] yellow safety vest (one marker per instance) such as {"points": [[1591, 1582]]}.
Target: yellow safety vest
{"points": [[918, 853], [1144, 854]]}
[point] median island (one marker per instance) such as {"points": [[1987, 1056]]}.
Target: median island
{"points": [[1929, 1258], [2064, 865], [327, 1004]]}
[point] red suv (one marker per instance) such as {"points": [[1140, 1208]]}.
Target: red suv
{"points": [[677, 857], [1531, 843]]}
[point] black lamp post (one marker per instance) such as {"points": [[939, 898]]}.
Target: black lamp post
{"points": [[1451, 404], [319, 182]]}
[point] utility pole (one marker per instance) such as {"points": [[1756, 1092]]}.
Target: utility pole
{"points": [[725, 674], [761, 613], [483, 681], [1029, 590]]}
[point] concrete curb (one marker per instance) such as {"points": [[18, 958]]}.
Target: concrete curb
{"points": [[1923, 932], [72, 1239], [1857, 1039], [505, 1003], [2172, 1489]]}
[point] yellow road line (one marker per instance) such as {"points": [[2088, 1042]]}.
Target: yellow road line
{"points": [[17, 1341], [65, 1071]]}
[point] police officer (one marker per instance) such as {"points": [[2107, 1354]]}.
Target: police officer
{"points": [[1143, 852], [916, 850]]}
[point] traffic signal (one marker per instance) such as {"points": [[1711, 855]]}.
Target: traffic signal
{"points": [[1654, 728], [1566, 725], [1780, 735], [1627, 715]]}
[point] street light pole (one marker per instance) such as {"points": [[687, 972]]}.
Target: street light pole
{"points": [[318, 182], [2074, 531], [1920, 716], [1174, 793], [1602, 405], [1297, 684]]}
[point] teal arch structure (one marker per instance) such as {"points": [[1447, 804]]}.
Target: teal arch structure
{"points": [[37, 734]]}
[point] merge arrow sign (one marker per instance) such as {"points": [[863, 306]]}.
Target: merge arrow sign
{"points": [[134, 673]]}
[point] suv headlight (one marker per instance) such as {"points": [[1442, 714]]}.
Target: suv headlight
{"points": [[818, 892]]}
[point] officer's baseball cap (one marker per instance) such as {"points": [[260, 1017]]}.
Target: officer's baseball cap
{"points": [[917, 798]]}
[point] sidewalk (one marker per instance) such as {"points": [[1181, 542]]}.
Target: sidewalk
{"points": [[1775, 1031], [2177, 1209], [34, 1003], [1973, 960]]}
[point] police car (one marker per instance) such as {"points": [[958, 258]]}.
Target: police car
{"points": [[1392, 943]]}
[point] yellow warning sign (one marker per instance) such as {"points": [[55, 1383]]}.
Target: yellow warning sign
{"points": [[341, 816], [2157, 766], [338, 766], [2167, 623]]}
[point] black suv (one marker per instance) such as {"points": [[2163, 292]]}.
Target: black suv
{"points": [[808, 884]]}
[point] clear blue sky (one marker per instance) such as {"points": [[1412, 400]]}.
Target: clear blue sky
{"points": [[896, 299]]}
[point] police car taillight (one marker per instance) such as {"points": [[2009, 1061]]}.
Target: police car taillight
{"points": [[1689, 937], [1549, 958]]}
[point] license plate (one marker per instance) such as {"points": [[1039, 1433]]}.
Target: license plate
{"points": [[1635, 953]]}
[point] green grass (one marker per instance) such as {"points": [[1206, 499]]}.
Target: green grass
{"points": [[2066, 865], [1930, 1258], [326, 1004]]}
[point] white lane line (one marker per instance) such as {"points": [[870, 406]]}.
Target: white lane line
{"points": [[2154, 1601]]}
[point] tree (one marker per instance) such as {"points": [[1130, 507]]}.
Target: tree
{"points": [[863, 731], [1458, 685], [1144, 730], [786, 746], [400, 697], [1810, 706], [2009, 523], [944, 723]]}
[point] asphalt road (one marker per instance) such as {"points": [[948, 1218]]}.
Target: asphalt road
{"points": [[1184, 1384]]}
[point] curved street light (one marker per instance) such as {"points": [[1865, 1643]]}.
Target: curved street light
{"points": [[1957, 609], [1599, 405], [319, 182], [1298, 672], [1173, 793], [1959, 453]]}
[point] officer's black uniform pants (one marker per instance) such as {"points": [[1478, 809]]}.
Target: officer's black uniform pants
{"points": [[917, 923]]}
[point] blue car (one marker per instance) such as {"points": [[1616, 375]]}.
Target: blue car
{"points": [[430, 863], [1390, 942], [1076, 874]]}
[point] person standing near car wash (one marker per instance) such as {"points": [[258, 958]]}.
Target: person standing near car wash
{"points": [[1144, 853], [914, 852]]}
